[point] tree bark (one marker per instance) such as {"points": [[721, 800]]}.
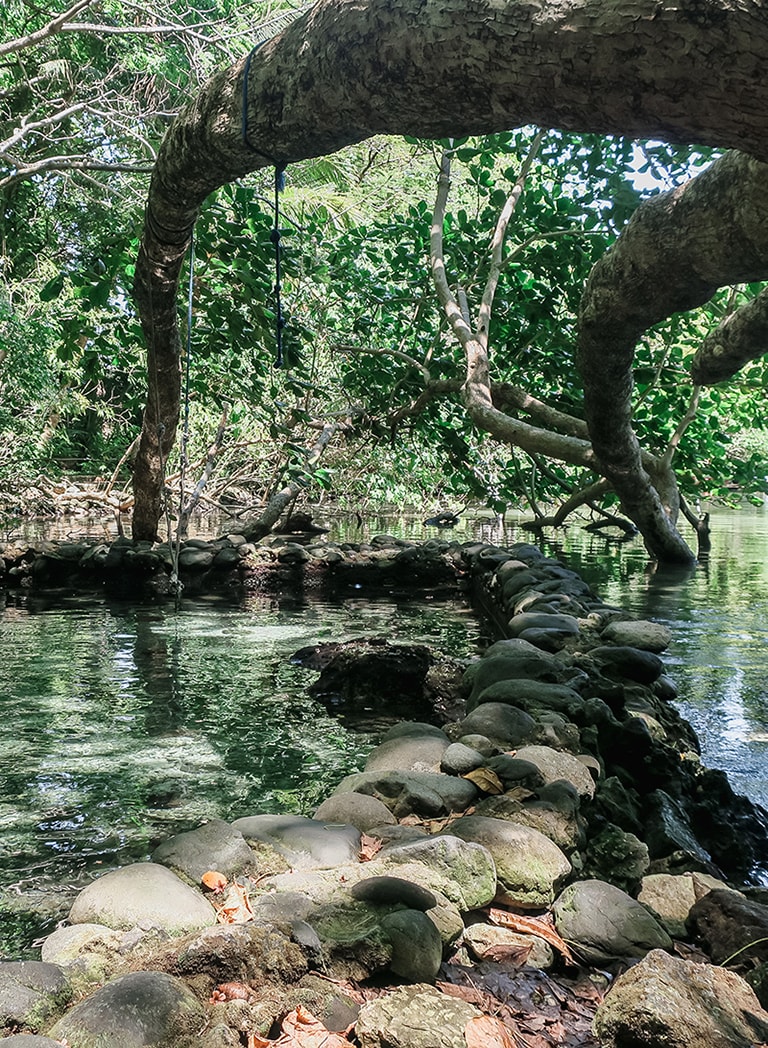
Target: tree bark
{"points": [[682, 70], [676, 250]]}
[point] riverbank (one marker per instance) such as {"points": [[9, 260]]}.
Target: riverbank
{"points": [[565, 790]]}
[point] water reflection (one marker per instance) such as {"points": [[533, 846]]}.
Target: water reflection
{"points": [[124, 723]]}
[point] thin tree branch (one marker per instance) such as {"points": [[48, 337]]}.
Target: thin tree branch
{"points": [[53, 27]]}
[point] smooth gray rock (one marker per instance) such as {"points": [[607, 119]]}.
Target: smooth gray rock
{"points": [[355, 809], [488, 942], [515, 772], [144, 894], [417, 949], [467, 865], [90, 949], [648, 636], [565, 624], [529, 867], [386, 891], [531, 695], [409, 792], [667, 1001], [408, 753], [602, 923], [140, 1010], [29, 1040], [555, 764], [31, 992], [213, 846], [414, 1017], [629, 663], [500, 721], [305, 843], [459, 759]]}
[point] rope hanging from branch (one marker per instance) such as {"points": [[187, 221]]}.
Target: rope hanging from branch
{"points": [[275, 235]]}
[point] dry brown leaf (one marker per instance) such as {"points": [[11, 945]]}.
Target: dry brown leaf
{"points": [[215, 881], [486, 780], [300, 1029], [507, 953], [231, 991], [486, 1032], [235, 908], [532, 926], [369, 846], [520, 793]]}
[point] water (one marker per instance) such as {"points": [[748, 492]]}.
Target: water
{"points": [[718, 614], [122, 724]]}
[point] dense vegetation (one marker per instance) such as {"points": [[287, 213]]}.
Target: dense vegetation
{"points": [[369, 365]]}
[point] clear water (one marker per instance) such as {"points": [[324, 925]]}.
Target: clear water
{"points": [[121, 724]]}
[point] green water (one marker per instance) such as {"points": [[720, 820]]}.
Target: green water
{"points": [[123, 724]]}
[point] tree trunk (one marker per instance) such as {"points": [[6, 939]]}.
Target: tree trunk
{"points": [[676, 250], [683, 70]]}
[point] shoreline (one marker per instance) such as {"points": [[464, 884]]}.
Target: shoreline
{"points": [[568, 753]]}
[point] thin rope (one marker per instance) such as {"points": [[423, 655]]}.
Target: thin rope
{"points": [[275, 235]]}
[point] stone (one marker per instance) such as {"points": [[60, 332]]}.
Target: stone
{"points": [[414, 1017], [213, 846], [488, 942], [728, 923], [458, 759], [406, 793], [515, 772], [668, 831], [525, 661], [244, 952], [648, 636], [617, 856], [29, 1040], [563, 828], [555, 764], [531, 695], [141, 1010], [408, 753], [387, 891], [90, 949], [562, 624], [627, 662], [355, 809], [305, 843], [601, 923], [146, 894], [31, 992], [671, 897], [466, 869], [499, 721], [529, 867], [417, 949], [667, 1001]]}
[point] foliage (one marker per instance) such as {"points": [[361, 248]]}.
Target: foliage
{"points": [[81, 113]]}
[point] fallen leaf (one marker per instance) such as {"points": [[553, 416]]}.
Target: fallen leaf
{"points": [[300, 1029], [215, 881], [483, 1031], [235, 908], [507, 953], [532, 926], [231, 991], [486, 780], [308, 1032], [369, 846]]}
